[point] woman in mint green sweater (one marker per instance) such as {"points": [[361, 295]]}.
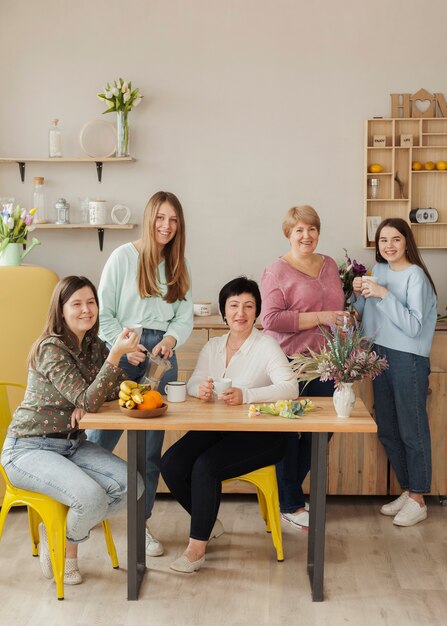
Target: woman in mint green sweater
{"points": [[148, 282]]}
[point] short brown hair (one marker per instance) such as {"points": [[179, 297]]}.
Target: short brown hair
{"points": [[303, 213]]}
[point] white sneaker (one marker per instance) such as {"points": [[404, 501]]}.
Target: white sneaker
{"points": [[153, 546], [410, 514], [72, 575], [298, 520], [392, 508], [44, 553]]}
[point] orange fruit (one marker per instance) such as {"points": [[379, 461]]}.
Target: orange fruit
{"points": [[429, 165], [158, 397], [416, 165], [149, 402], [441, 165], [375, 168]]}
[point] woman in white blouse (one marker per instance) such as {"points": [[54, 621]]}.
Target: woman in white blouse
{"points": [[195, 466]]}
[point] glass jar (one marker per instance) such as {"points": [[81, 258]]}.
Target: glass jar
{"points": [[54, 139], [62, 209], [39, 200], [373, 188]]}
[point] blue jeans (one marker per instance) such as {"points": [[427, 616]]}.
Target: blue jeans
{"points": [[154, 438], [88, 479], [400, 395], [294, 467]]}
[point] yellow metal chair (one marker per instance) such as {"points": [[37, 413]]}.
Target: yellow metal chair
{"points": [[43, 508], [264, 480]]}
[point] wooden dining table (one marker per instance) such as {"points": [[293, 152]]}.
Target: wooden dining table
{"points": [[217, 416]]}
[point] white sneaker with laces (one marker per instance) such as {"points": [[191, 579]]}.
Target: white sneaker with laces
{"points": [[297, 520], [153, 546], [410, 514], [393, 508]]}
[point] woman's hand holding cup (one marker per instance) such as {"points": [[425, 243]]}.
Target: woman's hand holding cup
{"points": [[206, 390], [372, 289], [126, 342]]}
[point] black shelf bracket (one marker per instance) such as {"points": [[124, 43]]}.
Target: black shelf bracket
{"points": [[22, 165], [101, 237], [99, 171]]}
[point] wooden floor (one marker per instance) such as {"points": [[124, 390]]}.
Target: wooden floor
{"points": [[376, 573]]}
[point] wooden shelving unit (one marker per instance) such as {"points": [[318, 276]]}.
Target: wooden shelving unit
{"points": [[422, 189], [21, 162]]}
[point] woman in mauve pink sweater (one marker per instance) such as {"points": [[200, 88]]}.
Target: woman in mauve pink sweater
{"points": [[301, 291]]}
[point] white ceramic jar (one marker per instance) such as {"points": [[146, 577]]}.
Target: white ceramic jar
{"points": [[97, 211]]}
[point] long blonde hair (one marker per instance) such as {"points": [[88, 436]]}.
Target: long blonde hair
{"points": [[177, 278], [56, 325]]}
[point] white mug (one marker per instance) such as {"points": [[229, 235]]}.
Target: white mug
{"points": [[372, 279], [220, 384], [176, 391]]}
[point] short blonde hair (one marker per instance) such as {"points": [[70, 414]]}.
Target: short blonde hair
{"points": [[303, 213]]}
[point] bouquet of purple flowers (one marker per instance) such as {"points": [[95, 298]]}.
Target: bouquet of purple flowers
{"points": [[348, 270]]}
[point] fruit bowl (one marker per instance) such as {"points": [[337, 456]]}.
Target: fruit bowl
{"points": [[142, 413]]}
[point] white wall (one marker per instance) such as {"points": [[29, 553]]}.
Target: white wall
{"points": [[250, 107]]}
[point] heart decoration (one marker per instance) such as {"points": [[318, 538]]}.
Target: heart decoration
{"points": [[120, 214], [423, 105]]}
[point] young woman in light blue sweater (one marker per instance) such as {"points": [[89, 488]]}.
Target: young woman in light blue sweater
{"points": [[399, 310], [148, 282]]}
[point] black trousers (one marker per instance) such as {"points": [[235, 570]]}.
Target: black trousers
{"points": [[195, 466]]}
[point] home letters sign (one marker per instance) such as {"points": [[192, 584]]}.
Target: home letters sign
{"points": [[420, 104]]}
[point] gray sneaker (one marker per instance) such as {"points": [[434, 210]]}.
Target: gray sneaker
{"points": [[153, 546]]}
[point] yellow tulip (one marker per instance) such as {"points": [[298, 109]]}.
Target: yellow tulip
{"points": [[33, 211]]}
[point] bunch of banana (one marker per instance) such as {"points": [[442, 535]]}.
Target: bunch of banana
{"points": [[130, 394]]}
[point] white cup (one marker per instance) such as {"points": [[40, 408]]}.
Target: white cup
{"points": [[220, 384], [176, 391], [202, 308], [137, 329], [371, 279]]}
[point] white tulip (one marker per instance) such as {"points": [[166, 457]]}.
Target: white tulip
{"points": [[125, 87], [126, 96], [115, 91], [10, 223], [137, 102], [108, 94]]}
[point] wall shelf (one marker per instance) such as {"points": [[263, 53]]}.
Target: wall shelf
{"points": [[420, 188], [21, 162], [99, 227]]}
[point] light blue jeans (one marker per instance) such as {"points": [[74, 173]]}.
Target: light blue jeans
{"points": [[88, 479], [154, 438]]}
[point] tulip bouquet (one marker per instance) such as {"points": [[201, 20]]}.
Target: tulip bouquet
{"points": [[347, 356], [348, 270], [291, 409], [15, 224], [120, 96]]}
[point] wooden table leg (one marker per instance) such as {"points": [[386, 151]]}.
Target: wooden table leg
{"points": [[317, 515], [136, 553]]}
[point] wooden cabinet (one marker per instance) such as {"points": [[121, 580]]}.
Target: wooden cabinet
{"points": [[396, 144]]}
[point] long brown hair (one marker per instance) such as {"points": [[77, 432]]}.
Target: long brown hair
{"points": [[411, 249], [177, 277], [56, 325]]}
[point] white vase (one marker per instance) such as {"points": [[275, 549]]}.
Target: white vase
{"points": [[344, 400]]}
